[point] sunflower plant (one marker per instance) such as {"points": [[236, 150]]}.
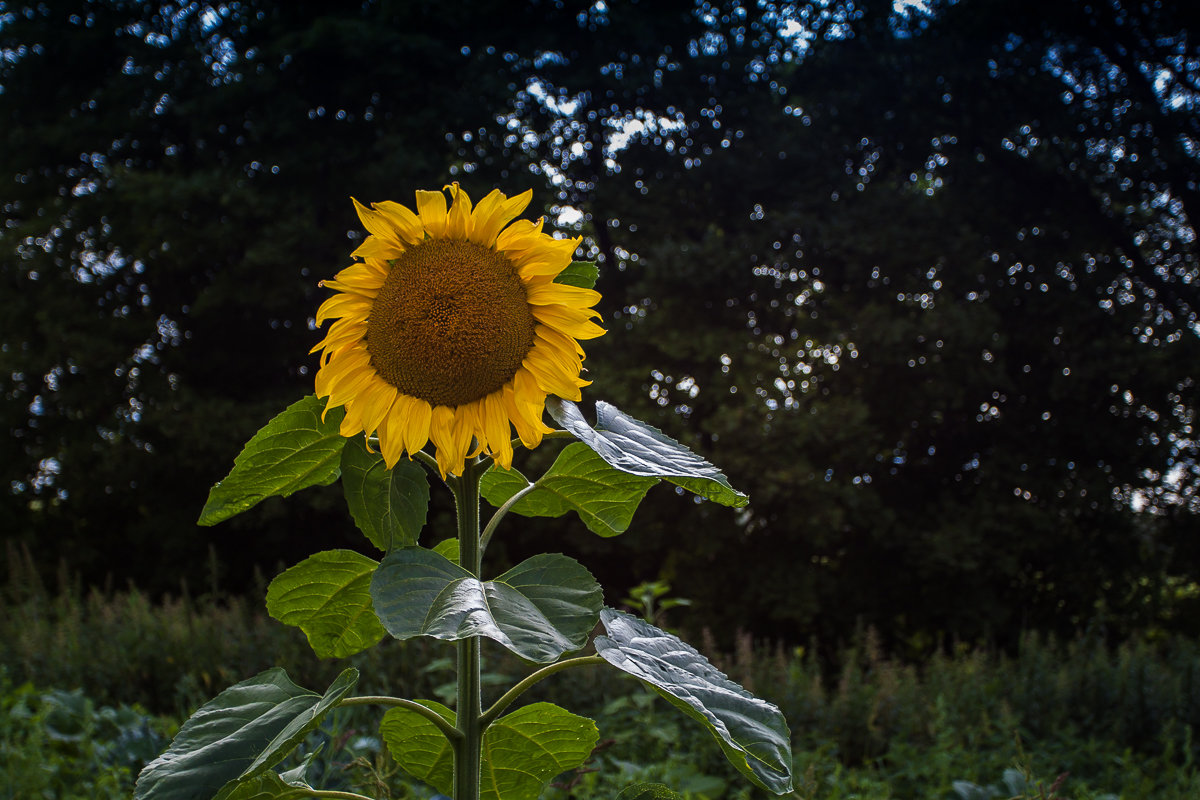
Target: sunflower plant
{"points": [[457, 325]]}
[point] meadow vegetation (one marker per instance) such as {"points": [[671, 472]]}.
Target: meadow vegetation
{"points": [[93, 684]]}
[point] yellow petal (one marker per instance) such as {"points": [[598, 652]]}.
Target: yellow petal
{"points": [[336, 341], [344, 392], [407, 224], [550, 378], [526, 414], [416, 416], [564, 358], [530, 397], [441, 433], [494, 212], [364, 406], [496, 429], [343, 305], [520, 235], [367, 287], [571, 321], [375, 247], [432, 208], [375, 223], [545, 258], [466, 422], [391, 443], [544, 294], [337, 371], [346, 375], [556, 337], [351, 423], [458, 224], [379, 401], [366, 275]]}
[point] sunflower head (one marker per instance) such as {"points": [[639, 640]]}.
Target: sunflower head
{"points": [[451, 329]]}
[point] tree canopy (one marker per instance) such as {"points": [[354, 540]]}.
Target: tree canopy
{"points": [[921, 277]]}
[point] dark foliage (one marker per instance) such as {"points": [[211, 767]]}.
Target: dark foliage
{"points": [[923, 282]]}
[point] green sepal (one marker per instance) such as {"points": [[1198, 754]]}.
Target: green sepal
{"points": [[237, 736], [295, 450], [637, 448], [522, 751], [328, 596], [580, 481], [752, 732], [388, 505], [540, 609], [579, 273]]}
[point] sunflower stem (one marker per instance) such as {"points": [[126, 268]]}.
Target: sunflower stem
{"points": [[468, 748]]}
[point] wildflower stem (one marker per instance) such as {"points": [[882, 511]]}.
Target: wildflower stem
{"points": [[468, 746]]}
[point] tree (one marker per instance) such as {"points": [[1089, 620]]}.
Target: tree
{"points": [[954, 311], [899, 271]]}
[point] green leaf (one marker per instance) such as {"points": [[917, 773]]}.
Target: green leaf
{"points": [[580, 273], [522, 751], [637, 448], [526, 749], [497, 485], [539, 609], [328, 596], [448, 548], [238, 735], [388, 505], [579, 481], [294, 451], [269, 786], [418, 746], [752, 732], [648, 791]]}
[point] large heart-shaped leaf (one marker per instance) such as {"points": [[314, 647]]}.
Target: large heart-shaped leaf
{"points": [[637, 448], [328, 596], [522, 751], [237, 735], [295, 450], [388, 505], [752, 732], [539, 609], [579, 481]]}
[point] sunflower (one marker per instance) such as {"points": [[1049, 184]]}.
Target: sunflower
{"points": [[451, 328]]}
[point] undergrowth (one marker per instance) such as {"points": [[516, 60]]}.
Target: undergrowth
{"points": [[1077, 719]]}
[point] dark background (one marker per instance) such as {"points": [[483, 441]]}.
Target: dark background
{"points": [[923, 280]]}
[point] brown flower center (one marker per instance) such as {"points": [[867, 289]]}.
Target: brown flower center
{"points": [[451, 323]]}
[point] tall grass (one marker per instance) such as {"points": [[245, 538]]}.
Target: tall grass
{"points": [[1140, 694], [171, 654]]}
